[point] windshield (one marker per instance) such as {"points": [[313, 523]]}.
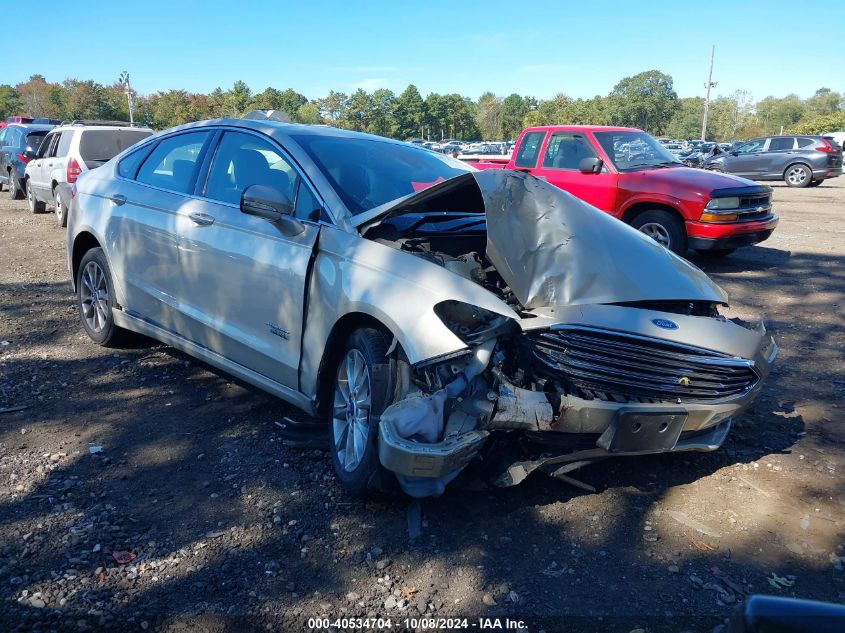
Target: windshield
{"points": [[632, 151], [366, 173]]}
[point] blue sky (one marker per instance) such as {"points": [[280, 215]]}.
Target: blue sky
{"points": [[532, 47]]}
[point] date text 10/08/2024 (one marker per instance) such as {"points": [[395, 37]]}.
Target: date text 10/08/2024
{"points": [[416, 624]]}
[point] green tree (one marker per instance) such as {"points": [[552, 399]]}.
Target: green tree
{"points": [[382, 104], [9, 101], [409, 114], [288, 101], [38, 98], [237, 100], [647, 101], [333, 106], [822, 103], [514, 110], [775, 113], [309, 113], [821, 124], [488, 116], [356, 115]]}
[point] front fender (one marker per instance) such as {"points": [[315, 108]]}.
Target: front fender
{"points": [[355, 275]]}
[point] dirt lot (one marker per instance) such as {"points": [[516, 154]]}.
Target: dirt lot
{"points": [[231, 529]]}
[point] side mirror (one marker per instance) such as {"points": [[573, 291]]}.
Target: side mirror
{"points": [[29, 154], [591, 165], [271, 204], [733, 152]]}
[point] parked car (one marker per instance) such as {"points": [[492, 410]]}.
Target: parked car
{"points": [[68, 151], [798, 160], [628, 174], [18, 143], [431, 314]]}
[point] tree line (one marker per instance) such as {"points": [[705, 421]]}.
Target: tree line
{"points": [[647, 100]]}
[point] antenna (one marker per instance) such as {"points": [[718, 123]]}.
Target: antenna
{"points": [[707, 86]]}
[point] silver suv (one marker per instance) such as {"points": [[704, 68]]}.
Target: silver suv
{"points": [[68, 151]]}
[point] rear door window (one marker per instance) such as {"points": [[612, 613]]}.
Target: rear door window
{"points": [[34, 139], [529, 149], [45, 145], [780, 144], [172, 164], [99, 146]]}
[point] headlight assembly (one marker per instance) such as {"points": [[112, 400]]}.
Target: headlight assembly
{"points": [[724, 203], [471, 324]]}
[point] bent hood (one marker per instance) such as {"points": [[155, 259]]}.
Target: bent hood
{"points": [[553, 249]]}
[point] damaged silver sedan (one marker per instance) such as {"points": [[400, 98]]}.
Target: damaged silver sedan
{"points": [[438, 319]]}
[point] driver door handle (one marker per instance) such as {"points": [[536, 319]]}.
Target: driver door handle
{"points": [[201, 219], [118, 199]]}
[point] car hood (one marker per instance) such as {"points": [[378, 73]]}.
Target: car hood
{"points": [[553, 249], [681, 178]]}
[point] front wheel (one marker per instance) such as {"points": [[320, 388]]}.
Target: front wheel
{"points": [[663, 227], [35, 206], [798, 176], [361, 392]]}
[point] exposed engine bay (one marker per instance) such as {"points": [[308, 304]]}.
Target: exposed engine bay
{"points": [[585, 371]]}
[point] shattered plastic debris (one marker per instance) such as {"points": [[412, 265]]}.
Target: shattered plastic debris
{"points": [[123, 557], [418, 415], [781, 582], [93, 450]]}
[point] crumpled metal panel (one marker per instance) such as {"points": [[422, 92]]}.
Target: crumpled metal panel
{"points": [[553, 249]]}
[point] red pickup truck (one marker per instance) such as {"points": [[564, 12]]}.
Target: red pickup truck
{"points": [[628, 174]]}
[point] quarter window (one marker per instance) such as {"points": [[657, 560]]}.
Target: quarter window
{"points": [[529, 149], [806, 142], [780, 144], [64, 144], [128, 166], [243, 160], [566, 150], [173, 162]]}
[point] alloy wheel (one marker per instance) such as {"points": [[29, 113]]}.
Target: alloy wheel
{"points": [[351, 410], [94, 295], [59, 209], [796, 175], [657, 232]]}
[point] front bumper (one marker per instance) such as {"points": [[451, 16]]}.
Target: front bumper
{"points": [[713, 235]]}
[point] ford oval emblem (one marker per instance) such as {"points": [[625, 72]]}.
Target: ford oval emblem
{"points": [[666, 324]]}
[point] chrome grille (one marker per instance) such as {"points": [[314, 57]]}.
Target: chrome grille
{"points": [[620, 367]]}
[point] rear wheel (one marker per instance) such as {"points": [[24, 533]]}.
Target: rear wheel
{"points": [[361, 392], [663, 227], [61, 209], [35, 206], [96, 300], [797, 176], [15, 192]]}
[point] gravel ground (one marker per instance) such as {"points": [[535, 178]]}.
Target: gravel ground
{"points": [[142, 490]]}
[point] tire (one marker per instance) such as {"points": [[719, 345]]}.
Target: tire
{"points": [[664, 227], [34, 205], [798, 175], [363, 366], [93, 280], [61, 209], [816, 183], [716, 252], [15, 192]]}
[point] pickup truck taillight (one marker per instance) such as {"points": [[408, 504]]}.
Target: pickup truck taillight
{"points": [[73, 170], [23, 158]]}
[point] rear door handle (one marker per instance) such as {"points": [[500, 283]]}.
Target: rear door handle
{"points": [[118, 199], [201, 219]]}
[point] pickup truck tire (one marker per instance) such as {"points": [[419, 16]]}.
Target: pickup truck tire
{"points": [[360, 393], [716, 252], [35, 206], [664, 227], [798, 175]]}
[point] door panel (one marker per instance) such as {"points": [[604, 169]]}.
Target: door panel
{"points": [[142, 230], [777, 156], [750, 160], [243, 281], [559, 166]]}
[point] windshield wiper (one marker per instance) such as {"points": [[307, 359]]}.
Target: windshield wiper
{"points": [[663, 164]]}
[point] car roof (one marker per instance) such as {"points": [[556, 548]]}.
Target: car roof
{"points": [[33, 127], [582, 128], [79, 126]]}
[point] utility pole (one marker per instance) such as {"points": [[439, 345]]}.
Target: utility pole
{"points": [[124, 79], [708, 85]]}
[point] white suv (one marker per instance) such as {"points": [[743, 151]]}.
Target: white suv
{"points": [[66, 152]]}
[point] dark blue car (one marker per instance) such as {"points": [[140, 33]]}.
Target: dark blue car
{"points": [[18, 143]]}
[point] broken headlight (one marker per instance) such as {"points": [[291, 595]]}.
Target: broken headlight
{"points": [[471, 324]]}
